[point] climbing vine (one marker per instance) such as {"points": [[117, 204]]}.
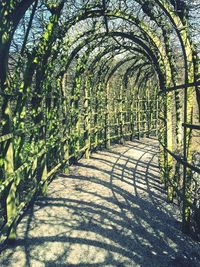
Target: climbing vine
{"points": [[94, 73]]}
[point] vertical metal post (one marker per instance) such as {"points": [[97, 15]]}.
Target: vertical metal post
{"points": [[107, 119], [138, 116], [8, 153], [132, 116], [87, 119], [185, 210]]}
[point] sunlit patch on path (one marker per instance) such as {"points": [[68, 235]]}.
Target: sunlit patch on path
{"points": [[111, 210]]}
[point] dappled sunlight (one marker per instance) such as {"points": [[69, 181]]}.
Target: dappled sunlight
{"points": [[83, 80], [110, 210]]}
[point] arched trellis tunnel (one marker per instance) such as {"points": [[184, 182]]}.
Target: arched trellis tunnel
{"points": [[77, 76]]}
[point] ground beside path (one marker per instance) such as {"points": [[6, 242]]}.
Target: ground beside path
{"points": [[111, 210]]}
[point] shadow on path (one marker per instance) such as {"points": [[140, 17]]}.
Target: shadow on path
{"points": [[110, 210]]}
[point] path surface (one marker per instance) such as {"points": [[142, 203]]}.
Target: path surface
{"points": [[110, 210]]}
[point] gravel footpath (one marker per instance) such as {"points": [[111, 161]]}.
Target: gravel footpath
{"points": [[111, 210]]}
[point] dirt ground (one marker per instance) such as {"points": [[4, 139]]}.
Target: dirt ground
{"points": [[111, 210]]}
